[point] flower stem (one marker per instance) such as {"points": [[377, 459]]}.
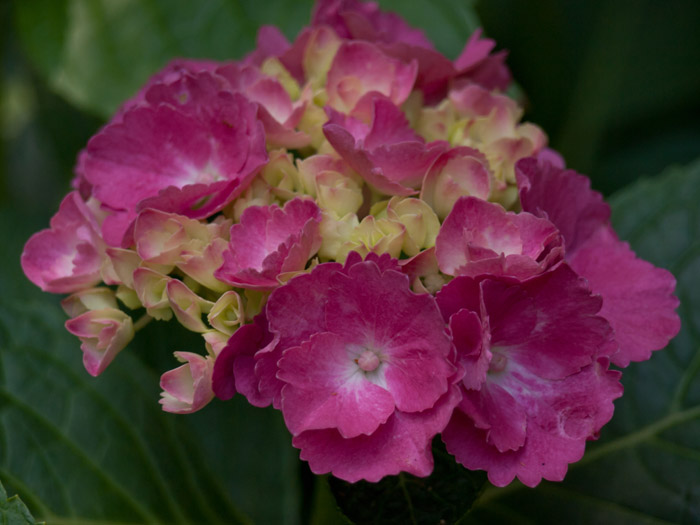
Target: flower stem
{"points": [[142, 321]]}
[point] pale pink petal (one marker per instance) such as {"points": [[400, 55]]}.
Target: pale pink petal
{"points": [[360, 68], [187, 388], [103, 334]]}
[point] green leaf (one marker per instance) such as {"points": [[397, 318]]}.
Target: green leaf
{"points": [[13, 511], [646, 466], [97, 53], [443, 497]]}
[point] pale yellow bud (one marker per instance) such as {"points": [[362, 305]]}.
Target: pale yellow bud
{"points": [[227, 313], [90, 299], [421, 223], [338, 193]]}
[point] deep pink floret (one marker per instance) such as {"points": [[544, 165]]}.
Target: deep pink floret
{"points": [[480, 237], [360, 353], [192, 158], [546, 389], [387, 153], [638, 298], [270, 241]]}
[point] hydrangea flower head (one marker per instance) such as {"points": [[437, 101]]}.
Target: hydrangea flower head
{"points": [[367, 237]]}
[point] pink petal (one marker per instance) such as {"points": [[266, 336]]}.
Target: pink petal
{"points": [[481, 237], [475, 64], [360, 68], [269, 241], [68, 257], [564, 197], [561, 415], [326, 389], [638, 298], [402, 444]]}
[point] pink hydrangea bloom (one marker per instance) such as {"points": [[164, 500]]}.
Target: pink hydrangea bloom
{"points": [[541, 351], [192, 158], [68, 256], [355, 361], [480, 237], [387, 154], [270, 241], [638, 298]]}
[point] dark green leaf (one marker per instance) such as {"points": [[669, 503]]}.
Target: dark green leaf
{"points": [[646, 466], [13, 511], [443, 497]]}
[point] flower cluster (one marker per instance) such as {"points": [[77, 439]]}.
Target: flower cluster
{"points": [[369, 239]]}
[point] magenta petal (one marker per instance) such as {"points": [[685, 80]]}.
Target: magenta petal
{"points": [[388, 154], [475, 64], [379, 311], [562, 415], [269, 241], [286, 318], [327, 389], [547, 324], [638, 298], [234, 368], [270, 43], [402, 444], [562, 196], [187, 159], [471, 339], [481, 237], [366, 21], [505, 417]]}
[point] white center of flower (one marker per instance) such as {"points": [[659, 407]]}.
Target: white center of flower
{"points": [[368, 361], [498, 363]]}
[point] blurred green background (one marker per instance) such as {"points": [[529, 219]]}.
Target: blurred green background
{"points": [[615, 84]]}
